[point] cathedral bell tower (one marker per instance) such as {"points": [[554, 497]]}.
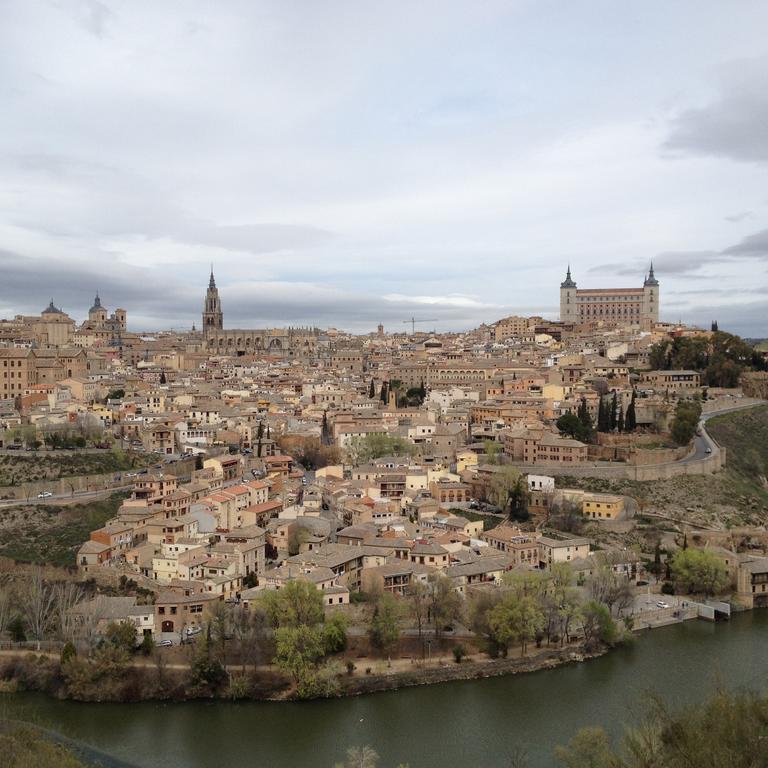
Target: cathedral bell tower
{"points": [[213, 318]]}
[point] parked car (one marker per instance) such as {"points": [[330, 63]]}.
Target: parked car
{"points": [[164, 643], [44, 495], [709, 450], [189, 631], [662, 604]]}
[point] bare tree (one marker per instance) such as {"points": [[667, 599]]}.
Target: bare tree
{"points": [[38, 604], [67, 595], [6, 604]]}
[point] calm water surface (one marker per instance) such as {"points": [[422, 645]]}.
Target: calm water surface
{"points": [[472, 723]]}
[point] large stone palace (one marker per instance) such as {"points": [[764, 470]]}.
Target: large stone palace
{"points": [[281, 342], [628, 306]]}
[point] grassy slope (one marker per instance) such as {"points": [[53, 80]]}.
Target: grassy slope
{"points": [[738, 495], [52, 534], [26, 467]]}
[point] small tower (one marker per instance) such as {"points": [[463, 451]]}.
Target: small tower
{"points": [[650, 299], [568, 310], [213, 318]]}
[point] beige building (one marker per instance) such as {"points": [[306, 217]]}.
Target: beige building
{"points": [[625, 306]]}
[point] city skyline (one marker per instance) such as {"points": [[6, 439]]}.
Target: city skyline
{"points": [[334, 183]]}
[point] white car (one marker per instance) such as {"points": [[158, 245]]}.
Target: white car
{"points": [[189, 631], [662, 604], [44, 495]]}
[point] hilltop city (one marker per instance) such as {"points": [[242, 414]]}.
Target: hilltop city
{"points": [[388, 500]]}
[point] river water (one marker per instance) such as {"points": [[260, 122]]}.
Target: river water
{"points": [[472, 723]]}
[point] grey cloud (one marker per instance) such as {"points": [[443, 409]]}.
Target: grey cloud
{"points": [[93, 16], [667, 263], [731, 126], [753, 246], [735, 218]]}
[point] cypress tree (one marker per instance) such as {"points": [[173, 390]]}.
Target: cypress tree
{"points": [[614, 409], [630, 423], [372, 390], [384, 394], [585, 419], [602, 412], [620, 422]]}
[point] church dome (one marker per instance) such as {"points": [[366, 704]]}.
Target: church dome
{"points": [[96, 304], [51, 309]]}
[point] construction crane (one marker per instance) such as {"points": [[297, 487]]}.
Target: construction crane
{"points": [[413, 322]]}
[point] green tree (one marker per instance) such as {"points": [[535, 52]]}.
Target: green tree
{"points": [[570, 425], [298, 650], [630, 422], [443, 600], [122, 635], [598, 625], [384, 628], [372, 390], [298, 603], [335, 633], [699, 570], [516, 619]]}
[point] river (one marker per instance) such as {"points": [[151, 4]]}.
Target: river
{"points": [[472, 723]]}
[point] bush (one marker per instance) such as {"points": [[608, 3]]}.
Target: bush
{"points": [[68, 652], [667, 588], [459, 652]]}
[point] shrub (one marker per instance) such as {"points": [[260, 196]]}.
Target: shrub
{"points": [[459, 652]]}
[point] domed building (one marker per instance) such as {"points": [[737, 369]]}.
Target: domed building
{"points": [[54, 327]]}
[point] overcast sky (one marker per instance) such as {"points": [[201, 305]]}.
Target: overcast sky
{"points": [[345, 163]]}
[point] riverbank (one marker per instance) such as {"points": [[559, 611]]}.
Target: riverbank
{"points": [[144, 680]]}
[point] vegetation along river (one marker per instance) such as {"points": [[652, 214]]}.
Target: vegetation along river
{"points": [[474, 723]]}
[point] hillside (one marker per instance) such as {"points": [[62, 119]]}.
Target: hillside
{"points": [[735, 496], [16, 468], [51, 534]]}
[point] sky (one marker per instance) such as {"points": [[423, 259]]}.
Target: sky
{"points": [[349, 163]]}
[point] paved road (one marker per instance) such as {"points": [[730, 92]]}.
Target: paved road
{"points": [[703, 443], [78, 496]]}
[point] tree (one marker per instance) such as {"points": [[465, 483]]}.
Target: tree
{"points": [[361, 450], [259, 439], [507, 484], [727, 730], [325, 432], [384, 628], [122, 635], [298, 649], [613, 415], [384, 394], [492, 451], [597, 624], [699, 570], [620, 424], [298, 603], [570, 425], [630, 421], [372, 390], [335, 633], [419, 595], [360, 757], [515, 619], [685, 422], [586, 421], [163, 379], [38, 604], [67, 595], [610, 588], [443, 600]]}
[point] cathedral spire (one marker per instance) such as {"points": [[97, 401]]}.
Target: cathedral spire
{"points": [[212, 281], [651, 279], [568, 282]]}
